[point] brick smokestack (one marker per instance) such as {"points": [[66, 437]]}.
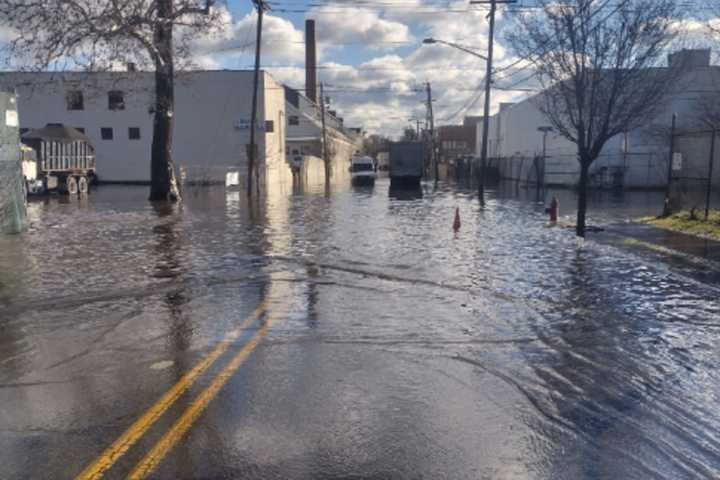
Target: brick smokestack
{"points": [[310, 61]]}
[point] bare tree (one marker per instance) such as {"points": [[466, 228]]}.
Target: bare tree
{"points": [[97, 35], [409, 134], [598, 61], [374, 144]]}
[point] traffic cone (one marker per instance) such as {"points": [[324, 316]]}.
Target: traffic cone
{"points": [[456, 223]]}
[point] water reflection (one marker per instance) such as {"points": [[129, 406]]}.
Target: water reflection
{"points": [[604, 363], [406, 193], [168, 265]]}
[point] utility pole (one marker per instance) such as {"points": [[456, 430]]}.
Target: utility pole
{"points": [[710, 172], [417, 128], [488, 83], [252, 148], [431, 123], [666, 207], [324, 135]]}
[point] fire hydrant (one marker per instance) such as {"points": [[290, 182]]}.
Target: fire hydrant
{"points": [[553, 209]]}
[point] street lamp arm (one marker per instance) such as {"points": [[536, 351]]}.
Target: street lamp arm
{"points": [[455, 45]]}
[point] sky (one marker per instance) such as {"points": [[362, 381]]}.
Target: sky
{"points": [[371, 57]]}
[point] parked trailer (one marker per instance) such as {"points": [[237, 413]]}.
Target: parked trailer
{"points": [[58, 158], [406, 163]]}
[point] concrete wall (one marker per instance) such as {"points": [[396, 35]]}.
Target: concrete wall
{"points": [[212, 114]]}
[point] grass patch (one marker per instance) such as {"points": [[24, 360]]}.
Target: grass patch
{"points": [[686, 222]]}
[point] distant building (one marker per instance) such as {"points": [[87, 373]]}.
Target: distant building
{"points": [[455, 141], [636, 159], [115, 109], [304, 129]]}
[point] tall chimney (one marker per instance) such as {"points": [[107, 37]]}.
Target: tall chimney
{"points": [[310, 61]]}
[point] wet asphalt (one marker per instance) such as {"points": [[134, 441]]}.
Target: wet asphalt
{"points": [[350, 334]]}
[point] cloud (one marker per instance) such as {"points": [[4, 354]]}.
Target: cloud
{"points": [[281, 41], [341, 25], [7, 33]]}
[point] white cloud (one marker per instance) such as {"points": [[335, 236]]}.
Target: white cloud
{"points": [[281, 41], [7, 33], [336, 26]]}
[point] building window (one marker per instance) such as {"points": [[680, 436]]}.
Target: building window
{"points": [[106, 133], [293, 120], [134, 133], [116, 100], [74, 99], [269, 126], [80, 129]]}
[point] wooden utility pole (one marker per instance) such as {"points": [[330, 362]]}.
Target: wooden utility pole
{"points": [[252, 148], [326, 160], [488, 82], [431, 125]]}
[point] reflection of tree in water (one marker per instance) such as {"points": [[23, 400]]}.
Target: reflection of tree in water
{"points": [[168, 266], [596, 378], [313, 274]]}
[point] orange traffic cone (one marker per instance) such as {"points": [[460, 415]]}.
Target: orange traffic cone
{"points": [[456, 223]]}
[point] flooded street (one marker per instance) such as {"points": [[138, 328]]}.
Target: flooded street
{"points": [[349, 334]]}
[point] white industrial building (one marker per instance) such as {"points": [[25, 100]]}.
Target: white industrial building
{"points": [[211, 129], [305, 137], [637, 159]]}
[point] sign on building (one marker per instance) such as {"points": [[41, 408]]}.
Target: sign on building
{"points": [[244, 124], [677, 160]]}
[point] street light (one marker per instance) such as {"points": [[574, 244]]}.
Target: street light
{"points": [[431, 41]]}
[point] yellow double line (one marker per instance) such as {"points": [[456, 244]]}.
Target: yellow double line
{"points": [[118, 448]]}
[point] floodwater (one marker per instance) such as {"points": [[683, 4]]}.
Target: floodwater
{"points": [[392, 347]]}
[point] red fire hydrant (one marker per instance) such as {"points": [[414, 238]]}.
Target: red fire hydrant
{"points": [[553, 209]]}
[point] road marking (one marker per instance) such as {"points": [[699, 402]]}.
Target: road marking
{"points": [[153, 458], [111, 454]]}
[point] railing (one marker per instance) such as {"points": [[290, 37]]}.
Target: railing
{"points": [[64, 156]]}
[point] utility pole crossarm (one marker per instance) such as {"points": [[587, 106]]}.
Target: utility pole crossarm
{"points": [[261, 5]]}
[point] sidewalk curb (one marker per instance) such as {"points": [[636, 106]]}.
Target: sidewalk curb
{"points": [[694, 259]]}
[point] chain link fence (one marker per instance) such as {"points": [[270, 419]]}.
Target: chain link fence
{"points": [[695, 174]]}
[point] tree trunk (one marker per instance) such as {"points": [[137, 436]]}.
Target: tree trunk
{"points": [[163, 183], [582, 197]]}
